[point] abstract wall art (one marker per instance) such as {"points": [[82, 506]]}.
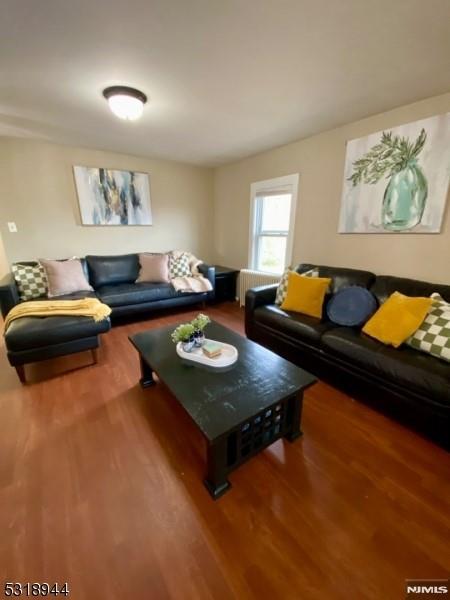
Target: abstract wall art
{"points": [[396, 180], [113, 197]]}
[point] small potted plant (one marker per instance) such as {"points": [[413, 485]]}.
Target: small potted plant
{"points": [[199, 324], [184, 333]]}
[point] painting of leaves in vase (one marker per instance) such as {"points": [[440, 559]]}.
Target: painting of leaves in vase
{"points": [[396, 180]]}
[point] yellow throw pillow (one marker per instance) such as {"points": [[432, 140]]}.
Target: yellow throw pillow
{"points": [[306, 294], [397, 319]]}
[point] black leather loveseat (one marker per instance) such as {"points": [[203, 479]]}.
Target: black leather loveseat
{"points": [[408, 384], [31, 339]]}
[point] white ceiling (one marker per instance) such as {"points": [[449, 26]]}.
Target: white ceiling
{"points": [[226, 78]]}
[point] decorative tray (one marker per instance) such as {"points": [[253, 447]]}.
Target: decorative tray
{"points": [[228, 357]]}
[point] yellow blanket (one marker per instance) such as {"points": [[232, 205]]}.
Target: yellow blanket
{"points": [[86, 307]]}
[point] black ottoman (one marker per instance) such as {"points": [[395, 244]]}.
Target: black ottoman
{"points": [[31, 339]]}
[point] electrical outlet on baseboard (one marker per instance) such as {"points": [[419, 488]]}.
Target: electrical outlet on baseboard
{"points": [[12, 227]]}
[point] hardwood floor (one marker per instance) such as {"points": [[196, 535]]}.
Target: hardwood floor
{"points": [[101, 486]]}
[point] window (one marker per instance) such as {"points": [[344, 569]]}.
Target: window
{"points": [[272, 219]]}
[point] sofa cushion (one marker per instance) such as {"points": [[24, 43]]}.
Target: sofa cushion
{"points": [[306, 294], [351, 306], [106, 270], [154, 268], [301, 327], [31, 280], [283, 285], [179, 265], [35, 332], [78, 295], [341, 277], [65, 277], [386, 285], [433, 335], [404, 367], [123, 294], [397, 319]]}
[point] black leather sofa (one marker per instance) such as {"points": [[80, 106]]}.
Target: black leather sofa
{"points": [[113, 279], [410, 385], [32, 339]]}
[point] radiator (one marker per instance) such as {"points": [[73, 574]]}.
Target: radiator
{"points": [[250, 279]]}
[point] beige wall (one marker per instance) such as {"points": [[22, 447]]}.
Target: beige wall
{"points": [[3, 260], [38, 193], [320, 162]]}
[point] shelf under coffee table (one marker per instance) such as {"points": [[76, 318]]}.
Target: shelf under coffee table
{"points": [[241, 410]]}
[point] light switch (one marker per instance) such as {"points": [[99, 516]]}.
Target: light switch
{"points": [[12, 227]]}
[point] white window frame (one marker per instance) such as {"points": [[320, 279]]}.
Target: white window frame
{"points": [[287, 184]]}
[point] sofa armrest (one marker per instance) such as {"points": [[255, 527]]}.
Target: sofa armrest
{"points": [[210, 273], [258, 296], [9, 295]]}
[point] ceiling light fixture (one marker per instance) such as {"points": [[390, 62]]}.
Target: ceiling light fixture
{"points": [[125, 102]]}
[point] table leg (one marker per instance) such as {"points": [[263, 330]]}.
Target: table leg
{"points": [[146, 379], [216, 481], [294, 415], [20, 370]]}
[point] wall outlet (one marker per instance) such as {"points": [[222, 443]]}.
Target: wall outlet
{"points": [[12, 227]]}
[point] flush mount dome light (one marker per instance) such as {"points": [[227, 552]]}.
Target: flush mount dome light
{"points": [[125, 102]]}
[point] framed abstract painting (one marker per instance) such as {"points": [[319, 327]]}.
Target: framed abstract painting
{"points": [[396, 180], [113, 197]]}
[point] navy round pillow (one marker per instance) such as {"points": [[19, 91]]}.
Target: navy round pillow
{"points": [[351, 306]]}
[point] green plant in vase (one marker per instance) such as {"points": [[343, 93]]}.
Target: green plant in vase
{"points": [[199, 324], [184, 333], [396, 158]]}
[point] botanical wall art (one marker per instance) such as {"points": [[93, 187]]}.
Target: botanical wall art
{"points": [[396, 180], [112, 197]]}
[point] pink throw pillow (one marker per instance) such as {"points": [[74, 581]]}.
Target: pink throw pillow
{"points": [[154, 268], [65, 277]]}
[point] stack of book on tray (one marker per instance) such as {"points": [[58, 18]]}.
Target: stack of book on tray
{"points": [[212, 349]]}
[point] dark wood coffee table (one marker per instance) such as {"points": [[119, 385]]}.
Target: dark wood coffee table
{"points": [[240, 411]]}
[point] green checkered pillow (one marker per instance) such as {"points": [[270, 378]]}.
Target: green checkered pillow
{"points": [[179, 266], [433, 336], [283, 285], [31, 281]]}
